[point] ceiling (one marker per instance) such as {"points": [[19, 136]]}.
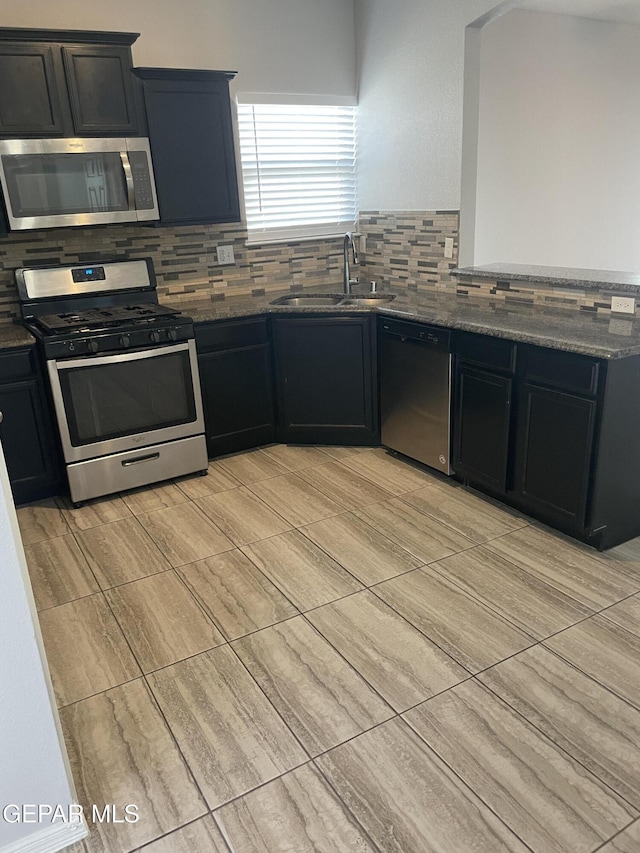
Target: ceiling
{"points": [[621, 11]]}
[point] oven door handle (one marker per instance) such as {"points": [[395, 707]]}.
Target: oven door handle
{"points": [[128, 179], [138, 459], [115, 358]]}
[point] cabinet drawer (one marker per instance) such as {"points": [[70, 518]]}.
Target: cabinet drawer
{"points": [[230, 334], [561, 369], [483, 349], [16, 364]]}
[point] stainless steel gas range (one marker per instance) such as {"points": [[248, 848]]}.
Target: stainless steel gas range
{"points": [[123, 373]]}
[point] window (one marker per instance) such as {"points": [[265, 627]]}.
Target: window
{"points": [[298, 169]]}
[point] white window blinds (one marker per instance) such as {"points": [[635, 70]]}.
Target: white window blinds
{"points": [[298, 169]]}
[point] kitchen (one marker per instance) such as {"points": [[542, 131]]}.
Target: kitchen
{"points": [[417, 53]]}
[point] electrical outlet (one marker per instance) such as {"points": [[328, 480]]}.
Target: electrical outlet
{"points": [[623, 304], [225, 255], [362, 241], [448, 247]]}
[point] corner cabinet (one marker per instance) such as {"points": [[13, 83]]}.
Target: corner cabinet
{"points": [[552, 433], [27, 430], [66, 83], [191, 136], [236, 378], [326, 379]]}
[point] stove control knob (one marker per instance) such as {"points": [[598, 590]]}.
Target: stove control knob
{"points": [[172, 335], [154, 337], [125, 340], [92, 346]]}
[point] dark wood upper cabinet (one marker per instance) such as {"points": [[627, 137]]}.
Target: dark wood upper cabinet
{"points": [[191, 136], [66, 83]]}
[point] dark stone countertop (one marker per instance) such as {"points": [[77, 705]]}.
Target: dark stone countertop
{"points": [[14, 335], [577, 331], [559, 276]]}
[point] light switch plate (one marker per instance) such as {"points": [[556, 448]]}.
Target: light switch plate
{"points": [[448, 247], [623, 304], [225, 255]]}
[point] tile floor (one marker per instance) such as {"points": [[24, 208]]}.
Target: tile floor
{"points": [[329, 649]]}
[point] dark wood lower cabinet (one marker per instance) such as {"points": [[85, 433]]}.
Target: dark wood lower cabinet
{"points": [[554, 451], [482, 426], [27, 431], [326, 379], [236, 378]]}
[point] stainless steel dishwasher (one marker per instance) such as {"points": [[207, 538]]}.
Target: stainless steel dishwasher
{"points": [[415, 391]]}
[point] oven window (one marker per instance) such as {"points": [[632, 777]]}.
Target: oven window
{"points": [[109, 401], [59, 184]]}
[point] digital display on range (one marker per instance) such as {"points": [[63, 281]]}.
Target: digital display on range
{"points": [[82, 274]]}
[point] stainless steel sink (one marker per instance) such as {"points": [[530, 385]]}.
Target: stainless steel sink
{"points": [[311, 301], [368, 299]]}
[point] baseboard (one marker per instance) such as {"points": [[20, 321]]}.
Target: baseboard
{"points": [[49, 839]]}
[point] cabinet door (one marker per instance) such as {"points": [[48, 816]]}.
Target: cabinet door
{"points": [[237, 398], [555, 444], [30, 103], [100, 87], [325, 380], [26, 432], [482, 420], [191, 137]]}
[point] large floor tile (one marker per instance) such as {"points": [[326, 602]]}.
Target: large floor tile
{"points": [[393, 475], [606, 652], [236, 595], [393, 656], [542, 794], [574, 569], [466, 630], [360, 548], [149, 498], [59, 572], [41, 520], [86, 650], [296, 500], [626, 614], [408, 800], [201, 836], [293, 457], [322, 699], [229, 733], [421, 535], [250, 466], [93, 513], [628, 841], [337, 451], [217, 480], [120, 552], [298, 813], [524, 598], [162, 621], [468, 513], [121, 752], [589, 722], [304, 573], [343, 485], [184, 533], [242, 516]]}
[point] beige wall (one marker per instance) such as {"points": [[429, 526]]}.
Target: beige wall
{"points": [[276, 46]]}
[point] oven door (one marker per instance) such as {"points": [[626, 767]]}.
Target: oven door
{"points": [[111, 403]]}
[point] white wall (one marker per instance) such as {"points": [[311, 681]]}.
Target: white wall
{"points": [[558, 169], [33, 766], [410, 59], [277, 46]]}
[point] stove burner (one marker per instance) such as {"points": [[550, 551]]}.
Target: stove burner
{"points": [[93, 319]]}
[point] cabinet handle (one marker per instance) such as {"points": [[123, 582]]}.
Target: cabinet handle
{"points": [[1, 417]]}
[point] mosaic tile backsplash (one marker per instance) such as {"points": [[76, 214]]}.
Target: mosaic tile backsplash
{"points": [[184, 259]]}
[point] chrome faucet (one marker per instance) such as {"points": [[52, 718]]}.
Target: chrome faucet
{"points": [[349, 242]]}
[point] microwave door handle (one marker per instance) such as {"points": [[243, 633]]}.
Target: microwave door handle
{"points": [[128, 177]]}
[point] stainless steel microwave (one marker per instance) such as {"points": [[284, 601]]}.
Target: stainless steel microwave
{"points": [[50, 183]]}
